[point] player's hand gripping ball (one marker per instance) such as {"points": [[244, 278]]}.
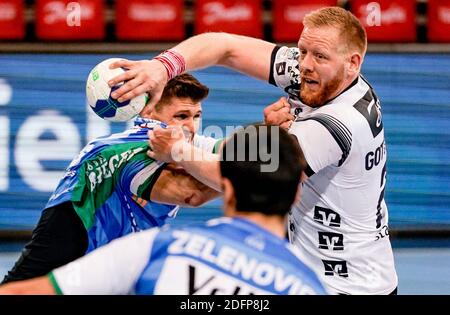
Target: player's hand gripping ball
{"points": [[98, 94]]}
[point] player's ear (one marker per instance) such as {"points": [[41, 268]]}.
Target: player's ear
{"points": [[147, 111], [354, 64]]}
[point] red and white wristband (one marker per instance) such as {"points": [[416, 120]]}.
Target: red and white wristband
{"points": [[173, 62]]}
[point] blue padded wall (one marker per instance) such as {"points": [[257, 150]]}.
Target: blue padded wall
{"points": [[38, 91]]}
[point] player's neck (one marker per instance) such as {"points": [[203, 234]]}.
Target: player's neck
{"points": [[347, 85], [273, 223]]}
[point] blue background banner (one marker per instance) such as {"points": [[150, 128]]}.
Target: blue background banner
{"points": [[44, 122]]}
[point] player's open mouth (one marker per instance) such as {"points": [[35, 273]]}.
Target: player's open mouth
{"points": [[312, 85], [309, 81]]}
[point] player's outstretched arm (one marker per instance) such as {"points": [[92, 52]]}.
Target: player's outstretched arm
{"points": [[245, 54], [40, 285], [111, 269], [242, 53], [176, 186]]}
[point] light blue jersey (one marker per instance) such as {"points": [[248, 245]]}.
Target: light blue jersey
{"points": [[223, 256], [109, 185]]}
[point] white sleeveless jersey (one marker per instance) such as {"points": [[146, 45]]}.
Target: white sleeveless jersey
{"points": [[341, 223]]}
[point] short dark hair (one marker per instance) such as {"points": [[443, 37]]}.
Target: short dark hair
{"points": [[183, 86], [271, 193]]}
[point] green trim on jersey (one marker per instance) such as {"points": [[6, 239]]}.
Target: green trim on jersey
{"points": [[217, 145], [100, 174], [54, 283]]}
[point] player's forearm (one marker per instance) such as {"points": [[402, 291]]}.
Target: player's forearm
{"points": [[202, 165], [41, 285], [176, 186], [245, 54]]}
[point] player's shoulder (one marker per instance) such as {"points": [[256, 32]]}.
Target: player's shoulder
{"points": [[215, 226], [284, 62], [135, 241], [224, 228], [284, 70], [359, 108], [332, 117], [137, 132], [358, 92], [148, 123], [286, 53]]}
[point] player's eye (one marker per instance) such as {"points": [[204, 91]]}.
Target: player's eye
{"points": [[181, 116]]}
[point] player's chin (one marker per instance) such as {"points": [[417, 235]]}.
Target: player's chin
{"points": [[312, 99], [312, 88]]}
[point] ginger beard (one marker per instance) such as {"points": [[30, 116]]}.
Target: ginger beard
{"points": [[317, 94]]}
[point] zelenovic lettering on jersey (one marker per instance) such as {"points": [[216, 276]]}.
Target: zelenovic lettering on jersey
{"points": [[228, 256], [205, 279]]}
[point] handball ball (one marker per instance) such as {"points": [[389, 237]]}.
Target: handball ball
{"points": [[98, 94]]}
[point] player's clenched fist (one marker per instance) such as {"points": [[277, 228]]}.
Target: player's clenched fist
{"points": [[163, 143], [279, 114]]}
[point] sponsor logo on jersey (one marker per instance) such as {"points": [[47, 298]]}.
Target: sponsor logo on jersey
{"points": [[102, 168], [331, 241], [326, 216], [335, 267], [281, 68]]}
